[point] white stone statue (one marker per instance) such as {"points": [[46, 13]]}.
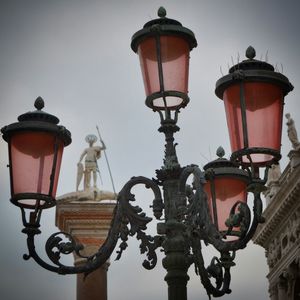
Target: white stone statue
{"points": [[292, 132], [274, 174], [273, 184], [91, 154]]}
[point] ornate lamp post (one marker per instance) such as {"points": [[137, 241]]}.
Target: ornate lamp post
{"points": [[212, 210]]}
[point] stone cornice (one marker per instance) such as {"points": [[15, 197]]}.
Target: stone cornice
{"points": [[91, 195], [282, 205], [83, 211]]}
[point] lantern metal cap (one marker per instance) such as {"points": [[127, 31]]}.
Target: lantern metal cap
{"points": [[38, 114], [251, 63], [162, 20], [37, 121], [224, 167], [252, 70], [163, 26], [220, 161]]}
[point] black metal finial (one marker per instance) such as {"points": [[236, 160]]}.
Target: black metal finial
{"points": [[39, 103], [250, 52], [220, 152], [161, 12]]}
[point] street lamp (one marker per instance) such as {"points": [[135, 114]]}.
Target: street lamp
{"points": [[212, 209], [35, 146], [253, 96]]}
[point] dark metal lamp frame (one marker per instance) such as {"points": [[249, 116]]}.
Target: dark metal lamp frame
{"points": [[252, 70], [156, 28], [185, 223], [36, 121]]}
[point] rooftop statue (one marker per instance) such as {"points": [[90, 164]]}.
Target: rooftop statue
{"points": [[292, 132], [91, 154], [274, 174]]}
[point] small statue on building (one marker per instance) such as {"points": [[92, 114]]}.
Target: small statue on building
{"points": [[294, 227], [271, 259], [292, 132], [91, 154], [273, 184], [274, 174]]}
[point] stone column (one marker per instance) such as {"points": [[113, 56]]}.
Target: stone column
{"points": [[273, 292], [88, 220], [93, 286], [282, 289]]}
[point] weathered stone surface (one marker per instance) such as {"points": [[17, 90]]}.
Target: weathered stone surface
{"points": [[280, 234]]}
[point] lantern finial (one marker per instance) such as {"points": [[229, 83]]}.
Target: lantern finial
{"points": [[250, 52], [162, 12], [220, 152], [39, 103]]}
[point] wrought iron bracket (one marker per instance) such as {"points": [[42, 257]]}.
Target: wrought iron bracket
{"points": [[127, 220]]}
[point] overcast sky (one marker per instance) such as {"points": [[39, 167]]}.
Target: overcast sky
{"points": [[77, 56]]}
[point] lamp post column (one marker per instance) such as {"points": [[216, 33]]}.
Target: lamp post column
{"points": [[176, 261]]}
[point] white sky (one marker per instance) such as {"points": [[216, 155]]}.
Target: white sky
{"points": [[77, 56]]}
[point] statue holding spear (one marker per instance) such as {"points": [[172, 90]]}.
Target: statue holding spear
{"points": [[90, 169], [91, 154]]}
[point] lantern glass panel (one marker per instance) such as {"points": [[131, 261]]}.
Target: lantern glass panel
{"points": [[264, 109], [228, 191], [32, 158], [174, 56]]}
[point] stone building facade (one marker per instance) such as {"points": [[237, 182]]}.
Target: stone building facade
{"points": [[280, 234]]}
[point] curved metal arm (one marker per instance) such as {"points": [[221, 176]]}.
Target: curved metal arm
{"points": [[199, 213], [256, 188], [138, 221], [55, 247], [200, 227], [198, 216], [124, 214], [243, 216], [214, 270]]}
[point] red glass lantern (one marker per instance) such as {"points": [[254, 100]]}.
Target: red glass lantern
{"points": [[253, 95], [226, 188], [163, 46], [36, 146]]}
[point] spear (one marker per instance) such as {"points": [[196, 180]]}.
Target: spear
{"points": [[111, 178]]}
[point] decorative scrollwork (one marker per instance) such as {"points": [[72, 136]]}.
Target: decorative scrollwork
{"points": [[134, 221], [188, 224], [215, 270], [200, 227], [219, 269], [125, 215], [197, 217], [55, 246], [240, 219], [198, 214]]}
